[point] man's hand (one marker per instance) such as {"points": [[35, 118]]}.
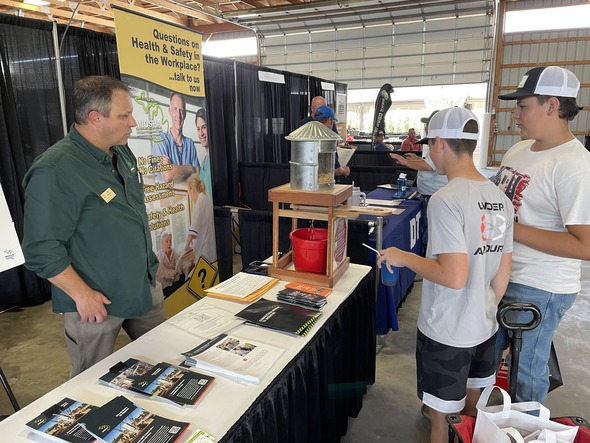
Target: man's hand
{"points": [[91, 307], [342, 170], [90, 304], [165, 160]]}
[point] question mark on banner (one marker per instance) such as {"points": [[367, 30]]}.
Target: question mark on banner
{"points": [[202, 273]]}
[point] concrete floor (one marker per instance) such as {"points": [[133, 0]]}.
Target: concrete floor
{"points": [[33, 357], [391, 409]]}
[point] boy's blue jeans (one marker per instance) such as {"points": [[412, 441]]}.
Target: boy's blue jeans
{"points": [[533, 373]]}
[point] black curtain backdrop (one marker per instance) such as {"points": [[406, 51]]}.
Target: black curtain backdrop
{"points": [[85, 53], [223, 241], [315, 89], [17, 285], [221, 109], [262, 109], [297, 87], [249, 118]]}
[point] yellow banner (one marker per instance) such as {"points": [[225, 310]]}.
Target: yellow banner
{"points": [[160, 53]]}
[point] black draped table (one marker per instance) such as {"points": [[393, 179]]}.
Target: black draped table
{"points": [[307, 396], [403, 231]]}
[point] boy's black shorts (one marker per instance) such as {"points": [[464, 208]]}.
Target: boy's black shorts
{"points": [[445, 372]]}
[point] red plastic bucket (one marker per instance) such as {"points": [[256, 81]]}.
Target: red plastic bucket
{"points": [[310, 249]]}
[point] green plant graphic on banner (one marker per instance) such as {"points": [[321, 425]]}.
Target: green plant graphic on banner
{"points": [[157, 120]]}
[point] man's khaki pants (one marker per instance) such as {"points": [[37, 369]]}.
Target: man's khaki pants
{"points": [[88, 343]]}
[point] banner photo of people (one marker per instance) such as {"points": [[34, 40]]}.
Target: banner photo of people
{"points": [[163, 64]]}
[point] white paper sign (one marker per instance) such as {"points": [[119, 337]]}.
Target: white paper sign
{"points": [[11, 254]]}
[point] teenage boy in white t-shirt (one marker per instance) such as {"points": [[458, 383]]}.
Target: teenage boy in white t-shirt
{"points": [[547, 177], [465, 273]]}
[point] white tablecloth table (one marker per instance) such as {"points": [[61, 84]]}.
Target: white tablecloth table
{"points": [[226, 402]]}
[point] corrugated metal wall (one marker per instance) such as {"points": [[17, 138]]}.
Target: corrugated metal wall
{"points": [[453, 50], [523, 51]]}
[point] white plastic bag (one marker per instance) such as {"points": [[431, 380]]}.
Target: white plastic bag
{"points": [[495, 423]]}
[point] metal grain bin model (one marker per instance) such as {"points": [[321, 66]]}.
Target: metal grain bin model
{"points": [[313, 154]]}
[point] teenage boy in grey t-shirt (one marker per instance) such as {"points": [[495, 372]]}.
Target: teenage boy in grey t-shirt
{"points": [[466, 271]]}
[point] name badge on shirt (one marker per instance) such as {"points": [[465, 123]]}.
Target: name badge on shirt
{"points": [[108, 195]]}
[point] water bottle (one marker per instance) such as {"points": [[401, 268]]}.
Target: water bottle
{"points": [[402, 184]]}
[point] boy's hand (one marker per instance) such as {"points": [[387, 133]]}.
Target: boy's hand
{"points": [[398, 158], [392, 257]]}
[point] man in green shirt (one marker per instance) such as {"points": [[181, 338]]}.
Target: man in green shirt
{"points": [[86, 228]]}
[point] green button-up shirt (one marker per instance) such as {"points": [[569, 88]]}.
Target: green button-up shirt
{"points": [[87, 209]]}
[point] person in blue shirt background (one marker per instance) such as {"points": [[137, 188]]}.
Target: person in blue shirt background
{"points": [[379, 145], [325, 115]]}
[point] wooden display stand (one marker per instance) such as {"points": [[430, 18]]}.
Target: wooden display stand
{"points": [[326, 200]]}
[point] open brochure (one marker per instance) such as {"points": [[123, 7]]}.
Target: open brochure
{"points": [[345, 154], [205, 320], [120, 420], [162, 380], [235, 358], [61, 422]]}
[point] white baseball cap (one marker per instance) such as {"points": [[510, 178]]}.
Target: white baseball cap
{"points": [[450, 124], [546, 80]]}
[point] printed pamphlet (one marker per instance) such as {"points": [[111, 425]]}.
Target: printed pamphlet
{"points": [[201, 436], [306, 287], [241, 360], [61, 422], [205, 320], [243, 287], [162, 380], [120, 420], [281, 316], [302, 298]]}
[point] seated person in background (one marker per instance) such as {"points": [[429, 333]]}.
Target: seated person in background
{"points": [[379, 145], [325, 115], [167, 273], [411, 143], [176, 149]]}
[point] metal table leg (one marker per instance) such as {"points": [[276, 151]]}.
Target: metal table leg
{"points": [[9, 391]]}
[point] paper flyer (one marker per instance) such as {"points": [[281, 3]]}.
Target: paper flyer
{"points": [[11, 254]]}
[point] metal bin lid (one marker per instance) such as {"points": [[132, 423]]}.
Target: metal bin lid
{"points": [[313, 131]]}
